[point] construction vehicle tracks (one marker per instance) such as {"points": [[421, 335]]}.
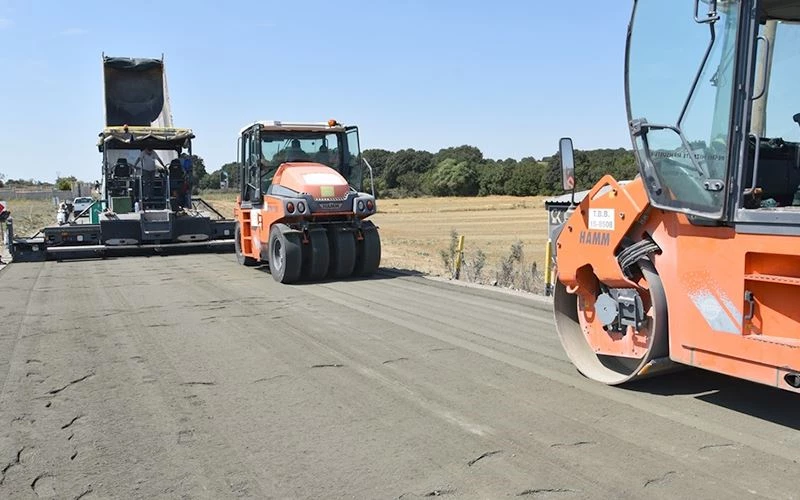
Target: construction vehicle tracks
{"points": [[203, 379]]}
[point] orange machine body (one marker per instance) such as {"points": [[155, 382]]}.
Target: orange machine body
{"points": [[316, 179], [322, 183], [732, 297]]}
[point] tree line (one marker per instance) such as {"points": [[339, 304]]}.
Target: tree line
{"points": [[456, 171], [464, 171]]}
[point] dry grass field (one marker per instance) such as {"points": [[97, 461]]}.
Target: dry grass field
{"points": [[414, 232], [31, 215]]}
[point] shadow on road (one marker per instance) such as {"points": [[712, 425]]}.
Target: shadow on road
{"points": [[757, 400], [381, 274]]}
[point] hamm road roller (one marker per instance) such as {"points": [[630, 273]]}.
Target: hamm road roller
{"points": [[696, 262]]}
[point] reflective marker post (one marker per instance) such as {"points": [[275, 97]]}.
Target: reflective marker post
{"points": [[459, 256], [548, 265]]}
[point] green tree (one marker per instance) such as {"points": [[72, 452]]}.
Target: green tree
{"points": [[493, 175], [590, 167], [453, 178], [550, 183], [525, 179], [198, 167], [66, 183], [198, 173], [377, 158], [404, 161], [232, 171], [210, 181], [466, 153], [410, 184]]}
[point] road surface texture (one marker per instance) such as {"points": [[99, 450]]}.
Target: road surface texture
{"points": [[192, 377]]}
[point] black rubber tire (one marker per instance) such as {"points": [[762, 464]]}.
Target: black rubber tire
{"points": [[368, 251], [342, 244], [237, 243], [285, 254], [316, 255]]}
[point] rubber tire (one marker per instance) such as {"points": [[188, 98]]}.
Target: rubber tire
{"points": [[237, 243], [368, 251], [287, 246], [316, 255], [342, 244]]}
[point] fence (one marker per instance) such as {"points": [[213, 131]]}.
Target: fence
{"points": [[46, 193]]}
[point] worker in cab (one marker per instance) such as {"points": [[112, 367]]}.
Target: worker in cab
{"points": [[323, 155], [295, 152]]}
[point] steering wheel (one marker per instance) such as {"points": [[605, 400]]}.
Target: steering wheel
{"points": [[691, 184]]}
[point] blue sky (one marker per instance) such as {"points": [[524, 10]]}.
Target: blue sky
{"points": [[510, 77]]}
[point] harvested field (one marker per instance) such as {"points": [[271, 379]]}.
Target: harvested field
{"points": [[414, 231]]}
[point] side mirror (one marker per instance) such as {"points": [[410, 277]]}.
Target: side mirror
{"points": [[567, 164]]}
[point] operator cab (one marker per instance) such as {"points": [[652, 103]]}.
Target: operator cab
{"points": [[267, 145], [713, 110], [123, 183]]}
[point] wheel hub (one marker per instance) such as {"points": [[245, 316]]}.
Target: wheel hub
{"points": [[277, 255], [606, 308]]}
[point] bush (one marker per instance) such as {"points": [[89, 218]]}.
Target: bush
{"points": [[449, 256], [514, 272], [473, 266]]}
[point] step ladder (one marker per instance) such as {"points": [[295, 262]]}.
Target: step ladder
{"points": [[157, 198], [157, 225]]}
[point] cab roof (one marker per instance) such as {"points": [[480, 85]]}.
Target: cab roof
{"points": [[784, 10], [124, 137], [329, 126]]}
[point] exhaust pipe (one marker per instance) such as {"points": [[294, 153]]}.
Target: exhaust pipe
{"points": [[793, 379]]}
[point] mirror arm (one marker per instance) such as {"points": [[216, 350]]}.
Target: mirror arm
{"points": [[712, 15], [371, 181]]}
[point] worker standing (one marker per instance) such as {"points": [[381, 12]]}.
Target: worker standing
{"points": [[186, 165], [148, 160]]}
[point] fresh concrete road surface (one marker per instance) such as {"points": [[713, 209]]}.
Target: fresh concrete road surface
{"points": [[193, 377]]}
